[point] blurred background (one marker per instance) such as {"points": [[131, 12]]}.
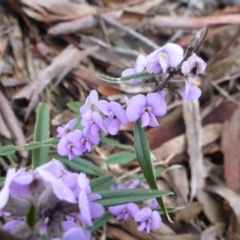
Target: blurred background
{"points": [[51, 51]]}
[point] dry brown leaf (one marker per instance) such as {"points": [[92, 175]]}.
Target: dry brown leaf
{"points": [[54, 10], [131, 226], [177, 145], [193, 22], [181, 188], [80, 24], [59, 68], [211, 208], [230, 196], [117, 233], [192, 118], [230, 142], [12, 124], [179, 237], [143, 7], [188, 213], [213, 231], [171, 125], [4, 129], [16, 42], [89, 76]]}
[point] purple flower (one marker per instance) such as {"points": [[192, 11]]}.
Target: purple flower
{"points": [[139, 65], [146, 108], [65, 129], [92, 123], [153, 203], [4, 193], [84, 183], [76, 233], [161, 59], [190, 92], [147, 219], [124, 211], [115, 115], [88, 209], [59, 188], [193, 66], [91, 103], [20, 183], [133, 184], [12, 224], [70, 145], [86, 141], [55, 167], [16, 184]]}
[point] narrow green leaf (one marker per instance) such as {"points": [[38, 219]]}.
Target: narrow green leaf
{"points": [[158, 172], [116, 144], [101, 183], [81, 165], [141, 75], [74, 106], [121, 158], [168, 210], [53, 154], [108, 79], [32, 216], [100, 221], [53, 142], [32, 145], [41, 133], [2, 179], [8, 150], [121, 196], [144, 159]]}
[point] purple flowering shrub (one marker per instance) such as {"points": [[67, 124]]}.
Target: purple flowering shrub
{"points": [[51, 201]]}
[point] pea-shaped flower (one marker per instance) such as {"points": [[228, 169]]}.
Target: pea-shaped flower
{"points": [[161, 59], [146, 108]]}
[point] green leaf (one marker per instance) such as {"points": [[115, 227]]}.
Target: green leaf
{"points": [[53, 142], [8, 150], [74, 106], [158, 173], [141, 75], [41, 133], [168, 210], [144, 158], [53, 154], [81, 165], [32, 145], [2, 179], [101, 183], [121, 196], [31, 216], [100, 221], [116, 144], [121, 158]]}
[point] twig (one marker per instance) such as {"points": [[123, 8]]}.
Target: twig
{"points": [[224, 93], [130, 31]]}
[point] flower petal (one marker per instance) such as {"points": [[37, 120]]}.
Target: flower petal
{"points": [[140, 64], [174, 54], [128, 72], [135, 107], [143, 214], [156, 220], [145, 119]]}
